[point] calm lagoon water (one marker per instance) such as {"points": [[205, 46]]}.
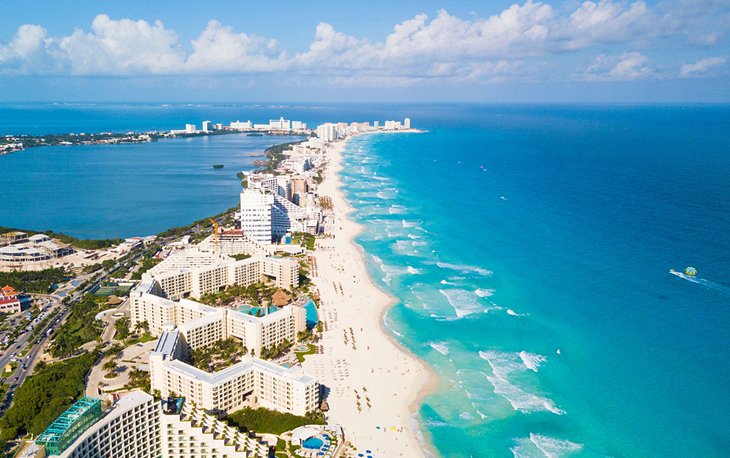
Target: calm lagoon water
{"points": [[101, 191]]}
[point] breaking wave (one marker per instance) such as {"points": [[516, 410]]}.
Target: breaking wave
{"points": [[539, 445], [504, 365], [441, 347]]}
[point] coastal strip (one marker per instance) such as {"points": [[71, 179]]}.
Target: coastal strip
{"points": [[375, 384]]}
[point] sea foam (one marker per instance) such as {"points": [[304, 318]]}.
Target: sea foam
{"points": [[546, 446], [463, 302], [531, 360], [441, 347], [483, 292], [466, 269], [504, 365]]}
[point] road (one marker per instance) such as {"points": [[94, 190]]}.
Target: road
{"points": [[28, 363], [71, 291]]}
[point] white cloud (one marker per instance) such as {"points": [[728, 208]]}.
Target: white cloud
{"points": [[626, 67], [122, 47], [526, 40], [701, 67], [607, 22], [220, 49], [26, 51]]}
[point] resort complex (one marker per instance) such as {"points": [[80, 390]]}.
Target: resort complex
{"points": [[17, 247], [224, 326]]}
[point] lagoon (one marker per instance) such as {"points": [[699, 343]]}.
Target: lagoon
{"points": [[105, 191]]}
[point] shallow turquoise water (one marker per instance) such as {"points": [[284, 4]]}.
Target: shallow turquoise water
{"points": [[529, 247]]}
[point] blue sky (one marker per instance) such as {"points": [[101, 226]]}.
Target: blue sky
{"points": [[481, 51]]}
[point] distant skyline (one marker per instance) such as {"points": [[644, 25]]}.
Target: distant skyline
{"points": [[498, 51]]}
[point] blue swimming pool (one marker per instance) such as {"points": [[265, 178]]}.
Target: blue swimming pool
{"points": [[314, 443], [311, 313]]}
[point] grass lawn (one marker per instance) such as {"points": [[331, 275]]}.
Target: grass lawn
{"points": [[269, 421], [300, 355]]}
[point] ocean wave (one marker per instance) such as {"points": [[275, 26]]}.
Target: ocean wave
{"points": [[397, 210], [484, 292], [405, 223], [505, 364], [531, 360], [513, 313], [441, 347], [405, 247], [466, 269], [546, 446], [462, 301], [391, 271]]}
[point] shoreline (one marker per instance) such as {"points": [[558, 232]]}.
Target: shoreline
{"points": [[394, 421]]}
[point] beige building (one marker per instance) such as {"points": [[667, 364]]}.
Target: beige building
{"points": [[192, 273], [250, 382]]}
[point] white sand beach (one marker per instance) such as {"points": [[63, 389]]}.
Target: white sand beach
{"points": [[360, 363]]}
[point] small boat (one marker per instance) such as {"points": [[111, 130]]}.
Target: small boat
{"points": [[218, 166], [689, 273]]}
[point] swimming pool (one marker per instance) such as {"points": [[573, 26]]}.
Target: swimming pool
{"points": [[311, 314], [314, 443]]}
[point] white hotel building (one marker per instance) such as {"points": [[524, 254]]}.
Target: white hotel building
{"points": [[140, 427]]}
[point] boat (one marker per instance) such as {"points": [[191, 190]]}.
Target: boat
{"points": [[689, 273], [218, 166], [254, 135]]}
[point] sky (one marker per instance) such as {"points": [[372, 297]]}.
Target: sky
{"points": [[599, 51]]}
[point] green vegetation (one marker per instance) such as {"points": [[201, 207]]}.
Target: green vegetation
{"points": [[275, 155], [199, 229], [256, 294], [303, 238], [138, 379], [122, 328], [220, 355], [269, 421], [44, 396], [84, 244], [326, 202], [300, 355], [240, 256], [275, 351], [80, 327], [147, 264], [39, 281]]}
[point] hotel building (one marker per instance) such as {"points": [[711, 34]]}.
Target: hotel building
{"points": [[138, 426], [250, 382]]}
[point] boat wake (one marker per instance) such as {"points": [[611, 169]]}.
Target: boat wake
{"points": [[702, 281]]}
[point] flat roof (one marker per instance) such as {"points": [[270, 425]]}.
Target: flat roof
{"points": [[249, 363]]}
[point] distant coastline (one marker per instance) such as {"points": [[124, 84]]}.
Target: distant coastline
{"points": [[15, 143]]}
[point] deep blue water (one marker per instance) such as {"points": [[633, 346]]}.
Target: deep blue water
{"points": [[512, 233], [507, 232]]}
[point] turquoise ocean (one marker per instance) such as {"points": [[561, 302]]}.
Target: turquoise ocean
{"points": [[528, 248]]}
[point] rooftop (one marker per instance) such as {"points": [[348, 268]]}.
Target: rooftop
{"points": [[70, 425]]}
